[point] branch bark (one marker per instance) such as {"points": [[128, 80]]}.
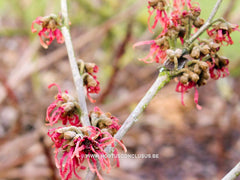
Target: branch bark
{"points": [[162, 79], [78, 80], [233, 174]]}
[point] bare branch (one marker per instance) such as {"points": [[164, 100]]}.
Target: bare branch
{"points": [[162, 79], [233, 174], [75, 72]]}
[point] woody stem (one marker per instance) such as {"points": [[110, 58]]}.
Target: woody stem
{"points": [[78, 79]]}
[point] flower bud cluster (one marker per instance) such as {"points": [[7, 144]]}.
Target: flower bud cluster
{"points": [[89, 79], [79, 145], [65, 108], [175, 26], [207, 51], [220, 32], [196, 72], [194, 62], [104, 121], [50, 29]]}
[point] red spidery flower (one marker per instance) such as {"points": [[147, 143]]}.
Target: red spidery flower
{"points": [[221, 32], [90, 80], [93, 88], [64, 108], [104, 121], [161, 15], [218, 69], [157, 51], [49, 31], [85, 145], [179, 4], [182, 88]]}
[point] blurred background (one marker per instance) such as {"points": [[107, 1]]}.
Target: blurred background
{"points": [[192, 144]]}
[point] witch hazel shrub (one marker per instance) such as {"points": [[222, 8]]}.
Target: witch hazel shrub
{"points": [[191, 61], [81, 139]]}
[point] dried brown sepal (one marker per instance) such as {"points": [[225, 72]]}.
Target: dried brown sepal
{"points": [[90, 81], [198, 22], [89, 67]]}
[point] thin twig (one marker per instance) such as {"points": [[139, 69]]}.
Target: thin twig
{"points": [[28, 67], [233, 174], [16, 129], [162, 79], [47, 152], [207, 24], [75, 72]]}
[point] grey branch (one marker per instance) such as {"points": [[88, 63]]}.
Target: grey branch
{"points": [[162, 79], [233, 174], [78, 80], [207, 24]]}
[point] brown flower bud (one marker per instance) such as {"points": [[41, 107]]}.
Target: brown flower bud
{"points": [[103, 123], [203, 65], [205, 49], [162, 43], [79, 62], [205, 75], [198, 22], [69, 135], [153, 3], [170, 53], [194, 77], [195, 11], [90, 67], [68, 106], [195, 52], [184, 78], [182, 32], [223, 60], [52, 24], [223, 26], [214, 45], [90, 81], [161, 5], [196, 69], [178, 53]]}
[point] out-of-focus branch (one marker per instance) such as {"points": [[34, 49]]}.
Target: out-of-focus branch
{"points": [[118, 54], [48, 155], [233, 174], [229, 9], [78, 80], [12, 96]]}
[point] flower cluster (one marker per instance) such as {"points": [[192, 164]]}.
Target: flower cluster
{"points": [[80, 144], [220, 33], [175, 26], [50, 29], [195, 75], [90, 80], [65, 108], [104, 121], [193, 63]]}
